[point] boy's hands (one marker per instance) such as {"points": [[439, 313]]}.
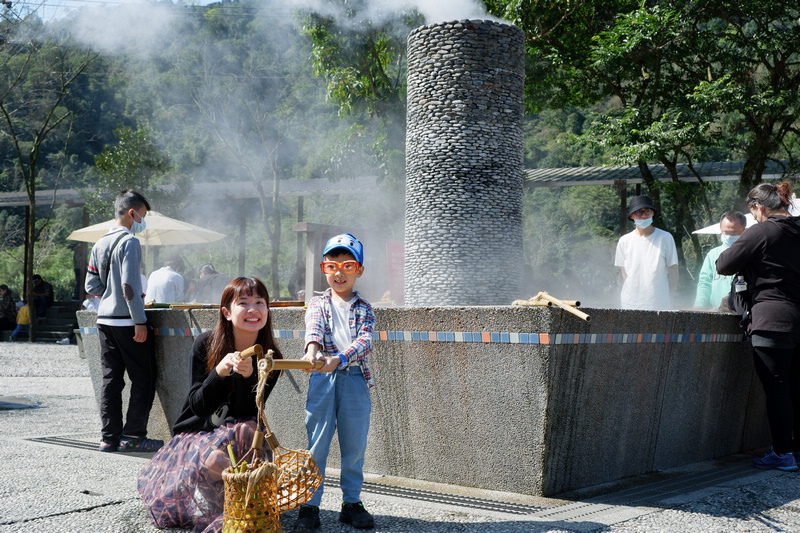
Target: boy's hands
{"points": [[330, 364], [312, 354]]}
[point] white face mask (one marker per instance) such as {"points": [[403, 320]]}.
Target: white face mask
{"points": [[138, 227], [643, 223], [727, 240]]}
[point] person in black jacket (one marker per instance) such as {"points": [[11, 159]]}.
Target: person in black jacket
{"points": [[768, 255], [182, 484], [8, 309]]}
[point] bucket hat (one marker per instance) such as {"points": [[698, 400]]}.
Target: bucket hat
{"points": [[640, 202]]}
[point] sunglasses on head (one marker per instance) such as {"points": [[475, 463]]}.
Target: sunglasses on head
{"points": [[348, 267]]}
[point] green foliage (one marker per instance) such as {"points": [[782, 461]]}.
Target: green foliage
{"points": [[363, 63], [235, 92], [683, 81]]}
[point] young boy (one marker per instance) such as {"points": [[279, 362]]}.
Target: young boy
{"points": [[125, 342], [23, 322], [339, 331]]}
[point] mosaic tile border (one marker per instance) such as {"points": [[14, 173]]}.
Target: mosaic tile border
{"points": [[494, 337]]}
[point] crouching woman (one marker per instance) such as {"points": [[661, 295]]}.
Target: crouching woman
{"points": [[182, 484]]}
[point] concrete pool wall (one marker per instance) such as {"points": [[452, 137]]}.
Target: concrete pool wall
{"points": [[529, 400]]}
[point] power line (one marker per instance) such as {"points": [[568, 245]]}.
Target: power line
{"points": [[227, 9]]}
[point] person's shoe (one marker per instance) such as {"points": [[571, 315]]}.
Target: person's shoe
{"points": [[355, 515], [144, 445], [785, 462], [63, 341], [307, 519], [108, 446]]}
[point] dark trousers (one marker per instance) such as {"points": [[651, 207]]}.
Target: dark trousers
{"points": [[777, 362], [118, 353], [41, 306]]}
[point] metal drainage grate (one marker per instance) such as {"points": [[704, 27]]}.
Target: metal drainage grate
{"points": [[604, 509], [92, 445], [333, 481]]}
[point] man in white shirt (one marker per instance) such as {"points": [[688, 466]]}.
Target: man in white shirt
{"points": [[648, 261], [166, 284]]}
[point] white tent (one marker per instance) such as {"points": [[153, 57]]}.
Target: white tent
{"points": [[713, 229]]}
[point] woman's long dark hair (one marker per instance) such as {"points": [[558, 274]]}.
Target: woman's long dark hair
{"points": [[221, 340], [772, 198]]}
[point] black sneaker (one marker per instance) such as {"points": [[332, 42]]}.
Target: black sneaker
{"points": [[355, 515], [307, 519]]}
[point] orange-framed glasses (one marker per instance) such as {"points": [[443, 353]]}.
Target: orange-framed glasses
{"points": [[348, 267]]}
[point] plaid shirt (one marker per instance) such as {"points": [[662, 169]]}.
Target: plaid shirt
{"points": [[362, 320]]}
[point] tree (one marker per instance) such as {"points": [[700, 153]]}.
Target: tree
{"points": [[134, 161], [753, 81], [37, 71], [246, 95], [362, 61], [686, 77]]}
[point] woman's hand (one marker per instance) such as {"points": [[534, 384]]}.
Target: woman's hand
{"points": [[231, 364], [244, 366]]}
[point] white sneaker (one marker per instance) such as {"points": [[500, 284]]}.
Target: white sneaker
{"points": [[65, 340]]}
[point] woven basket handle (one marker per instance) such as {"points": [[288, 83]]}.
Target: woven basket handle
{"points": [[265, 366]]}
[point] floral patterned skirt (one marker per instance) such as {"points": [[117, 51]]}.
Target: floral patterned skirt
{"points": [[182, 484]]}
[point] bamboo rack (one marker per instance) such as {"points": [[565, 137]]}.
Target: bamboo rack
{"points": [[563, 305]]}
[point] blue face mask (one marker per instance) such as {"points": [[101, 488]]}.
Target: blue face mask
{"points": [[643, 223], [727, 240], [138, 227]]}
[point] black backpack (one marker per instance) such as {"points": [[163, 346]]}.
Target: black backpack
{"points": [[739, 300]]}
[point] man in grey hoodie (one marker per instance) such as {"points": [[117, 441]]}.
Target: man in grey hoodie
{"points": [[125, 342]]}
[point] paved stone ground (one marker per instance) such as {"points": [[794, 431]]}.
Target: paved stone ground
{"points": [[54, 481]]}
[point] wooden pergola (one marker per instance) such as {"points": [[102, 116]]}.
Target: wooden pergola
{"points": [[621, 177], [241, 192]]}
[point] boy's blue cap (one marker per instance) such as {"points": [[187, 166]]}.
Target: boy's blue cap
{"points": [[347, 242]]}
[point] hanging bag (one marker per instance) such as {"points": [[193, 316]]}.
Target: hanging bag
{"points": [[739, 301]]}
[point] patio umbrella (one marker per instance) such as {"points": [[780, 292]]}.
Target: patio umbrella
{"points": [[161, 230]]}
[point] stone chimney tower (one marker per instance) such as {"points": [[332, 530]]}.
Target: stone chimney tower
{"points": [[464, 164]]}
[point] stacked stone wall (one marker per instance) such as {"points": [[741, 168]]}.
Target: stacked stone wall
{"points": [[464, 164]]}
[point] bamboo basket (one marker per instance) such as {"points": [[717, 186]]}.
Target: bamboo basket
{"points": [[250, 502]]}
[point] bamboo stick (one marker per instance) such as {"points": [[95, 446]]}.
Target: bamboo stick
{"points": [[534, 301], [287, 303], [296, 364], [563, 305], [280, 364]]}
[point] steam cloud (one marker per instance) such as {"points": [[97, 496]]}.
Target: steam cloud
{"points": [[136, 29], [144, 29], [379, 11]]}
